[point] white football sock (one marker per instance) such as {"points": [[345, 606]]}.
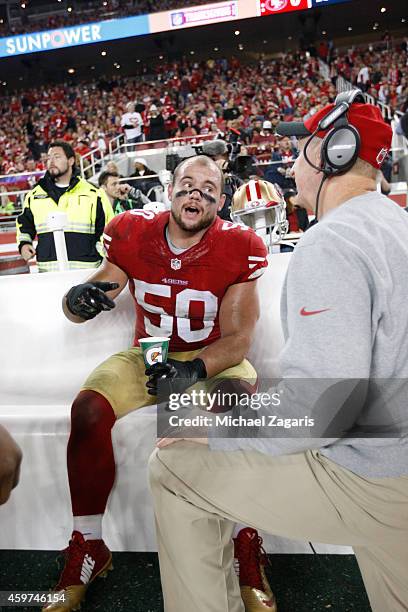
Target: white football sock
{"points": [[90, 526]]}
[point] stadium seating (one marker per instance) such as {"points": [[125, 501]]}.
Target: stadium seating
{"points": [[44, 359]]}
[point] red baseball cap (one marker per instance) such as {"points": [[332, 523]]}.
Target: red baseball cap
{"points": [[375, 133]]}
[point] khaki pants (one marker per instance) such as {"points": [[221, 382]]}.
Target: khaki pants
{"points": [[199, 494]]}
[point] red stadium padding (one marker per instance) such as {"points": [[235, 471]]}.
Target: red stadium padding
{"points": [[13, 264]]}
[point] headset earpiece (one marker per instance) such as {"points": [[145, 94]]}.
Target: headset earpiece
{"points": [[340, 149], [341, 145]]}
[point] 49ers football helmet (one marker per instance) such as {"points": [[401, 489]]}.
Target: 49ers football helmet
{"points": [[261, 206]]}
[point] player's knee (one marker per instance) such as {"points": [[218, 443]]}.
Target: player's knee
{"points": [[90, 410]]}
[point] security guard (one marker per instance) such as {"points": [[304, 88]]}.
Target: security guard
{"points": [[88, 210]]}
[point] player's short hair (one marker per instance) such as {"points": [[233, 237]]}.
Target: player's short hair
{"points": [[104, 177], [68, 150], [204, 161]]}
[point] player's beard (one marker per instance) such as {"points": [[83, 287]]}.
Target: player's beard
{"points": [[206, 220]]}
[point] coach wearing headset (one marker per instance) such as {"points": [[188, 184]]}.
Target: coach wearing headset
{"points": [[344, 478]]}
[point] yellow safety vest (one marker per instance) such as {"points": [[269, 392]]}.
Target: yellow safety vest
{"points": [[88, 210]]}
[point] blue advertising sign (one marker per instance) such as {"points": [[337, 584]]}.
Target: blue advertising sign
{"points": [[50, 40], [316, 3]]}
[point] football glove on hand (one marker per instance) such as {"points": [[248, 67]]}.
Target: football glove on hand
{"points": [[174, 376], [89, 299]]}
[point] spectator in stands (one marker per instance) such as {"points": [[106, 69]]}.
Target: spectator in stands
{"points": [[155, 125], [295, 214], [363, 78], [6, 205], [264, 140], [344, 324], [10, 462], [121, 195], [132, 123], [112, 166], [88, 210], [280, 171], [144, 179]]}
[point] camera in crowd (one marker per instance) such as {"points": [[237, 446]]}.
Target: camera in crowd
{"points": [[228, 151]]}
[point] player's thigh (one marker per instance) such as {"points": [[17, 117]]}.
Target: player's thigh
{"points": [[244, 371], [121, 380]]}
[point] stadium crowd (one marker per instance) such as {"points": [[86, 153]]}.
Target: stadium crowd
{"points": [[214, 98], [379, 70], [92, 11], [193, 98]]}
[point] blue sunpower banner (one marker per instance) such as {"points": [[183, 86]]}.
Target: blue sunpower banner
{"points": [[50, 40]]}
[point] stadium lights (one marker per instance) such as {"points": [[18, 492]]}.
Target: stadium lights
{"points": [[69, 9], [138, 61], [1, 20], [350, 28], [241, 47], [117, 66], [324, 32], [403, 20], [289, 38], [237, 32], [160, 57], [265, 42], [103, 53], [216, 49], [192, 52], [105, 3], [71, 70], [383, 9], [23, 5]]}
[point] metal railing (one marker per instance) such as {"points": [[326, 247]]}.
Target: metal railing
{"points": [[90, 163], [387, 112], [119, 144]]}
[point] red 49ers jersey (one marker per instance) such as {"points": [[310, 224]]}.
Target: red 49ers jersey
{"points": [[179, 296]]}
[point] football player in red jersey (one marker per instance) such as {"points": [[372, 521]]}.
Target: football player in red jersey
{"points": [[186, 286]]}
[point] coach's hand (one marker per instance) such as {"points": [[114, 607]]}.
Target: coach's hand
{"points": [[174, 376], [89, 299]]}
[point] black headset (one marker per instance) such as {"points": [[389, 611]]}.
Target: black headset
{"points": [[341, 145]]}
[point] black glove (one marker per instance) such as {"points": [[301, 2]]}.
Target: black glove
{"points": [[89, 299], [174, 376]]}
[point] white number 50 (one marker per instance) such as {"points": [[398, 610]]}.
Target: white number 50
{"points": [[183, 301]]}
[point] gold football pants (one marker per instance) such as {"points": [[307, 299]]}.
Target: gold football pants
{"points": [[121, 379]]}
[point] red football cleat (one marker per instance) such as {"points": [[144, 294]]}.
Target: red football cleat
{"points": [[84, 561], [250, 561]]}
